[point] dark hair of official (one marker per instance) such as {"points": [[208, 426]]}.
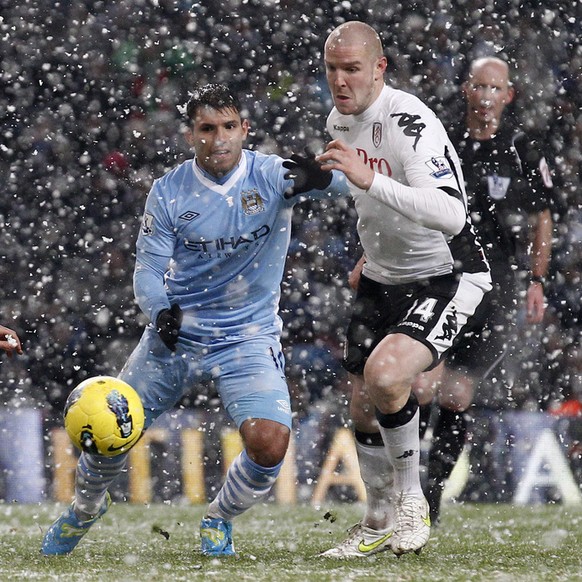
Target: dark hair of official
{"points": [[217, 96]]}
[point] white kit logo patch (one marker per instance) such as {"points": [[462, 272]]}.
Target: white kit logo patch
{"points": [[439, 167], [498, 186], [377, 134]]}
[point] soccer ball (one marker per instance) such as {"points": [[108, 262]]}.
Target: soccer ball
{"points": [[104, 416]]}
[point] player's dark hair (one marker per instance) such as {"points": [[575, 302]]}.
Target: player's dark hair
{"points": [[217, 96]]}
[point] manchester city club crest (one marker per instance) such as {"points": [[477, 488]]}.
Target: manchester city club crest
{"points": [[252, 202]]}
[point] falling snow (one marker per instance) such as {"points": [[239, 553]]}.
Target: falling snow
{"points": [[89, 109]]}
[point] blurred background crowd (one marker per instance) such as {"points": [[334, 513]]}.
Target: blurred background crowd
{"points": [[89, 116]]}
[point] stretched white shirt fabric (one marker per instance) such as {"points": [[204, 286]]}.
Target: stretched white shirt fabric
{"points": [[412, 222]]}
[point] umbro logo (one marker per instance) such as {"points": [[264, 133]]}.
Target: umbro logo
{"points": [[189, 215]]}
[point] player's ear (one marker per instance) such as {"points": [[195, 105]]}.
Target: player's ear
{"points": [[510, 93], [381, 66], [245, 127], [189, 137]]}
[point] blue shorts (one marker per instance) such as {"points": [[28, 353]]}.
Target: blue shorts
{"points": [[248, 375]]}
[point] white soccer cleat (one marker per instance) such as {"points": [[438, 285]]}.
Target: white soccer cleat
{"points": [[412, 524], [360, 543]]}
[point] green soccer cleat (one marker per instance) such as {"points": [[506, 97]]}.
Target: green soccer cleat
{"points": [[361, 543]]}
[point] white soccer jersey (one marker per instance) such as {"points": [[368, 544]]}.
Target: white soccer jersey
{"points": [[401, 138]]}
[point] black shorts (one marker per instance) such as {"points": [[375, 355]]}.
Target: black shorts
{"points": [[495, 332], [434, 312]]}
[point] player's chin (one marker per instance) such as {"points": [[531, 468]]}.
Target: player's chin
{"points": [[223, 164], [344, 105]]}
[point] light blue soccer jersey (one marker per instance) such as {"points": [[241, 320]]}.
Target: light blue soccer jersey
{"points": [[218, 247]]}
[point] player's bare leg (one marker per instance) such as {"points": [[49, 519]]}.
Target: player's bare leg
{"points": [[248, 481], [373, 533], [389, 373]]}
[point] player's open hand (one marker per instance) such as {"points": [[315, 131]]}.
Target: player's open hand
{"points": [[339, 156], [9, 341], [306, 173]]}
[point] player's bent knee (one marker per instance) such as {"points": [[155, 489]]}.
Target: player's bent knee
{"points": [[265, 441]]}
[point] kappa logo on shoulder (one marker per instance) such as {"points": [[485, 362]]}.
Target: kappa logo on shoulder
{"points": [[411, 124]]}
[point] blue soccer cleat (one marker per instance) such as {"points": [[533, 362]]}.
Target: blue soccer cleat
{"points": [[216, 537], [64, 534]]}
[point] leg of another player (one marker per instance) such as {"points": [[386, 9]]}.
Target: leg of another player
{"points": [[375, 468], [425, 387], [248, 481], [389, 373], [455, 397], [374, 532]]}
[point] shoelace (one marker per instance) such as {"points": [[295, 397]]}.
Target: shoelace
{"points": [[353, 532], [407, 510]]}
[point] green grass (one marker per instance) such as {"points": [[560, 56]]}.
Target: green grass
{"points": [[280, 544]]}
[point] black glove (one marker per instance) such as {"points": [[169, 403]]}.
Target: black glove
{"points": [[306, 173], [168, 324]]}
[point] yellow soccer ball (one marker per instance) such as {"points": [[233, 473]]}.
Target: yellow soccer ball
{"points": [[104, 416]]}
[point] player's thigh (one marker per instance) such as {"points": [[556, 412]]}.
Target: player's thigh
{"points": [[156, 373], [397, 360], [373, 314], [250, 378]]}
